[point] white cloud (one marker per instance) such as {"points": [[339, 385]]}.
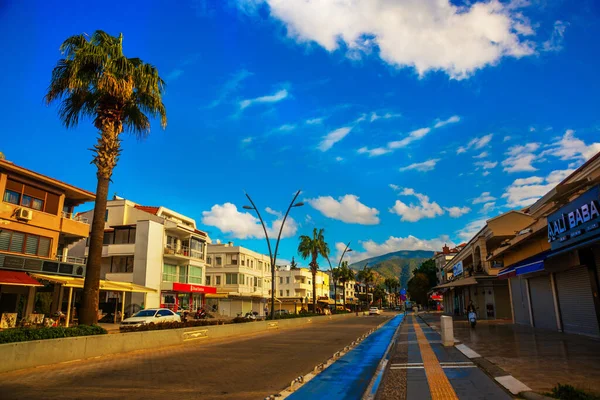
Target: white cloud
{"points": [[333, 137], [483, 154], [524, 192], [569, 148], [412, 136], [174, 75], [314, 121], [273, 98], [487, 207], [471, 229], [276, 213], [457, 40], [456, 212], [506, 138], [487, 164], [247, 140], [395, 188], [286, 128], [232, 85], [483, 198], [392, 244], [461, 150], [520, 158], [378, 151], [476, 144], [243, 225], [485, 173], [387, 115], [453, 119], [422, 166], [555, 43], [347, 209], [415, 212], [338, 158]]}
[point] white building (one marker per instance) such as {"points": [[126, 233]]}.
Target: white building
{"points": [[294, 288], [242, 278], [347, 288], [153, 247]]}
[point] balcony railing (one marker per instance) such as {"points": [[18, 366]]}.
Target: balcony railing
{"points": [[75, 217], [182, 251], [71, 260]]}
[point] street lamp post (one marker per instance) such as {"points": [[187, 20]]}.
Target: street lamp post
{"points": [[346, 250], [272, 256]]}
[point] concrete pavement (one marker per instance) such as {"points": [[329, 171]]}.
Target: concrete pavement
{"points": [[251, 368]]}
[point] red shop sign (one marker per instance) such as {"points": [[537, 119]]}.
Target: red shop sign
{"points": [[189, 288]]}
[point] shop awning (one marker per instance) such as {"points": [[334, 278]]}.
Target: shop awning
{"points": [[527, 266], [217, 295], [113, 286], [17, 278], [459, 282]]}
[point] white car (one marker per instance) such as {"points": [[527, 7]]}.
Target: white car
{"points": [[374, 311], [151, 315]]}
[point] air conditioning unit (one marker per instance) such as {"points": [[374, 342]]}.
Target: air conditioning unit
{"points": [[24, 214]]}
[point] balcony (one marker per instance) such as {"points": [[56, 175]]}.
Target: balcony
{"points": [[120, 276], [74, 225], [301, 285], [182, 252], [110, 250]]}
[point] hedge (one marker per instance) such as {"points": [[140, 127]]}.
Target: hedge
{"points": [[28, 334], [176, 325]]}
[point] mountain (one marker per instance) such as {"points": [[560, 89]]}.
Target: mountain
{"points": [[398, 264]]}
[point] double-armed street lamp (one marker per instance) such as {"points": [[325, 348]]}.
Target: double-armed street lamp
{"points": [[273, 256], [346, 250]]}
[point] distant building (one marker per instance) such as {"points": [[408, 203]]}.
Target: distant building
{"points": [[242, 278], [294, 289], [441, 258], [348, 288]]}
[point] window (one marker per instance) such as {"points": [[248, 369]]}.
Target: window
{"points": [[241, 279], [12, 197], [32, 202], [183, 274], [219, 260], [207, 280], [255, 281], [196, 248], [196, 275], [218, 280], [124, 235], [243, 262], [251, 263], [209, 260], [164, 313], [287, 280], [109, 238], [281, 280], [106, 216], [281, 293], [31, 197], [234, 260], [170, 273], [231, 279], [121, 264], [287, 293], [19, 242]]}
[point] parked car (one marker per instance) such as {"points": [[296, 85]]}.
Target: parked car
{"points": [[374, 311], [151, 315]]}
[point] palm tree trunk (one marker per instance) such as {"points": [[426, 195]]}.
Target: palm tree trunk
{"points": [[314, 275], [344, 295], [334, 296], [91, 287]]}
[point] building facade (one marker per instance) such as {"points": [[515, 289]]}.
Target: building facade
{"points": [[343, 288], [552, 265], [294, 289], [37, 225], [156, 248], [242, 278]]}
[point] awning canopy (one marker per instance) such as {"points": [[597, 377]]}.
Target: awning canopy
{"points": [[113, 286], [527, 266], [459, 282], [17, 278], [217, 295]]}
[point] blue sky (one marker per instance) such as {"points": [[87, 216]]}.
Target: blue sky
{"points": [[405, 124]]}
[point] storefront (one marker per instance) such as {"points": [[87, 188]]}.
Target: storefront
{"points": [[186, 296]]}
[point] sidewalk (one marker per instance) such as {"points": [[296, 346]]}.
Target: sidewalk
{"points": [[419, 367], [538, 358]]}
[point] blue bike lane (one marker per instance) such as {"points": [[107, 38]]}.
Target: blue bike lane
{"points": [[349, 377]]}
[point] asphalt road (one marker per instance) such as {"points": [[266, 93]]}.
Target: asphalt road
{"points": [[250, 368]]}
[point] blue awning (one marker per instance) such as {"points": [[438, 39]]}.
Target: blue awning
{"points": [[527, 266]]}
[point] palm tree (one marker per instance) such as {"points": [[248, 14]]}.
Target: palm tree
{"points": [[346, 275], [336, 275], [95, 80], [293, 264], [366, 276], [313, 248]]}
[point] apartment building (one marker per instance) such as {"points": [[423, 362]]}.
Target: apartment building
{"points": [[343, 288], [156, 248], [294, 288], [242, 278], [37, 225], [441, 258]]}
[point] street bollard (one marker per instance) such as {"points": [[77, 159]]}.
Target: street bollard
{"points": [[447, 331]]}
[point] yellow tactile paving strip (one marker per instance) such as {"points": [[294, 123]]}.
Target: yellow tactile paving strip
{"points": [[439, 385]]}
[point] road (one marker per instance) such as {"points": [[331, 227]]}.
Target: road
{"points": [[251, 368]]}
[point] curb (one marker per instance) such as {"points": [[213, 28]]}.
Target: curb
{"points": [[503, 378]]}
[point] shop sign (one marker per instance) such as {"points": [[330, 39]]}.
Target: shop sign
{"points": [[189, 288], [457, 269], [575, 221]]}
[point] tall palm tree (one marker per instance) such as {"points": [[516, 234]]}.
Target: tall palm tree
{"points": [[336, 275], [346, 275], [95, 80], [367, 277], [313, 247]]}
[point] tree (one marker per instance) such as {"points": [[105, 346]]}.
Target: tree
{"points": [[429, 269], [367, 277], [418, 287], [293, 264], [336, 274], [346, 275], [313, 248], [379, 294], [95, 80]]}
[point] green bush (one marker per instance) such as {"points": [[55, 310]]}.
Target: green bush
{"points": [[28, 334], [568, 392]]}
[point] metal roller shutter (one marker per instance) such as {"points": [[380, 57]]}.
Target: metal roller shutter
{"points": [[576, 302], [520, 301], [542, 303]]}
